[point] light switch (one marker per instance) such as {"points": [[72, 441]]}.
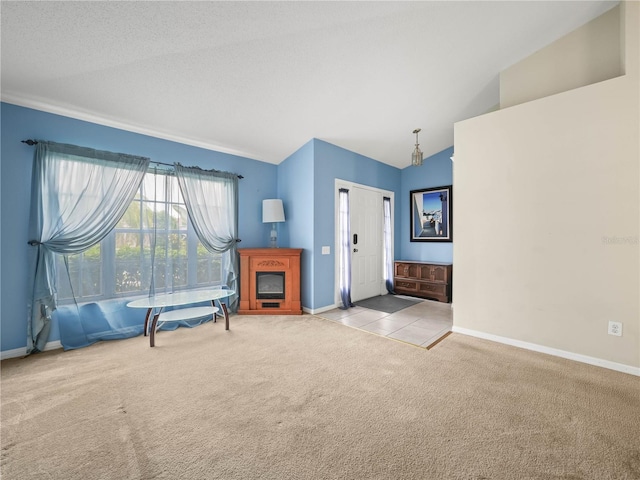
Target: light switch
{"points": [[326, 250]]}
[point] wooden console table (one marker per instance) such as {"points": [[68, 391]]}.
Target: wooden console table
{"points": [[430, 280], [276, 261]]}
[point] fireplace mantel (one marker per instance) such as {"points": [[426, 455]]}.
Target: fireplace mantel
{"points": [[275, 260]]}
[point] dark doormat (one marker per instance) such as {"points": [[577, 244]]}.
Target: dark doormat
{"points": [[386, 303]]}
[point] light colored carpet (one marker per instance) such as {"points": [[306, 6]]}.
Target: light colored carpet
{"points": [[300, 397]]}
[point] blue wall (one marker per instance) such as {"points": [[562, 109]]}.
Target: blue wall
{"points": [[306, 184], [295, 188], [436, 171], [305, 181], [18, 123], [331, 162]]}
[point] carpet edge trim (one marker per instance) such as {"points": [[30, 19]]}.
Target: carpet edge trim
{"points": [[371, 333]]}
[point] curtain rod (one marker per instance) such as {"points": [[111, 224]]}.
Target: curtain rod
{"points": [[34, 142]]}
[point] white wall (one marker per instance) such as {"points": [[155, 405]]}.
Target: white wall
{"points": [[587, 55], [547, 217]]}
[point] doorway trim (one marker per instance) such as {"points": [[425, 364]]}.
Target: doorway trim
{"points": [[340, 183]]}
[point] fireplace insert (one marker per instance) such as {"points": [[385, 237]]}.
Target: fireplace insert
{"points": [[270, 285]]}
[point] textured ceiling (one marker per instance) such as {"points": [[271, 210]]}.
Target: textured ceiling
{"points": [[260, 79]]}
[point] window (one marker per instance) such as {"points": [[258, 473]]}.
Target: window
{"points": [[153, 238], [85, 272]]}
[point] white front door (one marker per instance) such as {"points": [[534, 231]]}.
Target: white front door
{"points": [[366, 214]]}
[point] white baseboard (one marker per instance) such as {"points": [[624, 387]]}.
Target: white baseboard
{"points": [[619, 367], [21, 352], [314, 311]]}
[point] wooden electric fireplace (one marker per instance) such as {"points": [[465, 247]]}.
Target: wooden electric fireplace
{"points": [[270, 281]]}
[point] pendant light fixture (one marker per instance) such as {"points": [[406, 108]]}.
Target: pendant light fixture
{"points": [[416, 156]]}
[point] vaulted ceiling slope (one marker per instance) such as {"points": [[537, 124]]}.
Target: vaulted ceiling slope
{"points": [[260, 79]]}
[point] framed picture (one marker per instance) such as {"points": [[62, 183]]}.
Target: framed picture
{"points": [[431, 215]]}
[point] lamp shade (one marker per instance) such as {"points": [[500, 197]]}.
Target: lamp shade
{"points": [[272, 210]]}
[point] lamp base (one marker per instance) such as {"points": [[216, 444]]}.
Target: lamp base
{"points": [[274, 237]]}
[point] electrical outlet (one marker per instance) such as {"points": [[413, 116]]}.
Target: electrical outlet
{"points": [[615, 328]]}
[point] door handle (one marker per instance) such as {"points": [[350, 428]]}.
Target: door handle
{"points": [[355, 238], [355, 250]]}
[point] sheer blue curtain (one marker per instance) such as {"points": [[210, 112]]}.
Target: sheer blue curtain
{"points": [[78, 196], [211, 198], [150, 250], [388, 253], [345, 249]]}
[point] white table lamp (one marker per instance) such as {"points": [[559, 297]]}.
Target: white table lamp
{"points": [[273, 212]]}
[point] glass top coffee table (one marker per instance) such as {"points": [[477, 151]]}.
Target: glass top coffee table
{"points": [[186, 297]]}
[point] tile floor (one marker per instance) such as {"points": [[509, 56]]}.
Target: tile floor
{"points": [[422, 324]]}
